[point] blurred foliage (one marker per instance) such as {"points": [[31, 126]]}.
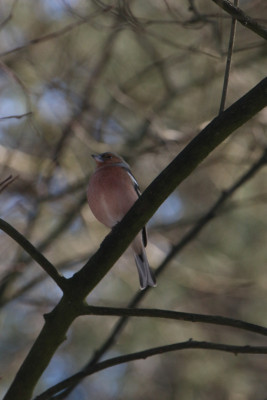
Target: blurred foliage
{"points": [[140, 78]]}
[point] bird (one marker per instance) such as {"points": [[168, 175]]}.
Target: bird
{"points": [[111, 192]]}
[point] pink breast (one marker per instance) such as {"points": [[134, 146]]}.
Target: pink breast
{"points": [[110, 195]]}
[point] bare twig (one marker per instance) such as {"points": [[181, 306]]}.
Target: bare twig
{"points": [[34, 253], [88, 91], [174, 315], [43, 244], [10, 15], [67, 219], [243, 18], [189, 344], [16, 116], [64, 265], [49, 36], [228, 61], [6, 182]]}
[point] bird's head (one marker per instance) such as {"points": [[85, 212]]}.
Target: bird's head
{"points": [[108, 159]]}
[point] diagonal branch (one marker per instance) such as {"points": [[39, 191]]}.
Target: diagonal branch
{"points": [[157, 192], [242, 17], [34, 253], [189, 236], [6, 182]]}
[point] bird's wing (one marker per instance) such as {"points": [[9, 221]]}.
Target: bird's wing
{"points": [[138, 191]]}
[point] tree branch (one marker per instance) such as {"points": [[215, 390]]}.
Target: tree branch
{"points": [[243, 18], [34, 253], [175, 315], [197, 228], [16, 116], [157, 192], [189, 236], [50, 36], [190, 344], [60, 319], [228, 62], [6, 182]]}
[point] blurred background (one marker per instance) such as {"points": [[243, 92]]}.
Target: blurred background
{"points": [[140, 78]]}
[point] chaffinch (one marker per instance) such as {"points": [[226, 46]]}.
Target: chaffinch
{"points": [[111, 193]]}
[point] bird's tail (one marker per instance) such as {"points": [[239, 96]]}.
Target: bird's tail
{"points": [[145, 274]]}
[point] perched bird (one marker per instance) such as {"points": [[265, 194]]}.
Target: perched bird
{"points": [[111, 193]]}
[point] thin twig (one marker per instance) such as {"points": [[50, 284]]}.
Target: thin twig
{"points": [[10, 15], [88, 91], [228, 62], [34, 253], [6, 182], [64, 265], [189, 344], [16, 116], [175, 315], [49, 36], [62, 225], [243, 18], [43, 244]]}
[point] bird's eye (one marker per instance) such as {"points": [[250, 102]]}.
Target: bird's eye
{"points": [[107, 156]]}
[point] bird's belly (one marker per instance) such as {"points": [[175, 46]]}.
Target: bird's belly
{"points": [[109, 205]]}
